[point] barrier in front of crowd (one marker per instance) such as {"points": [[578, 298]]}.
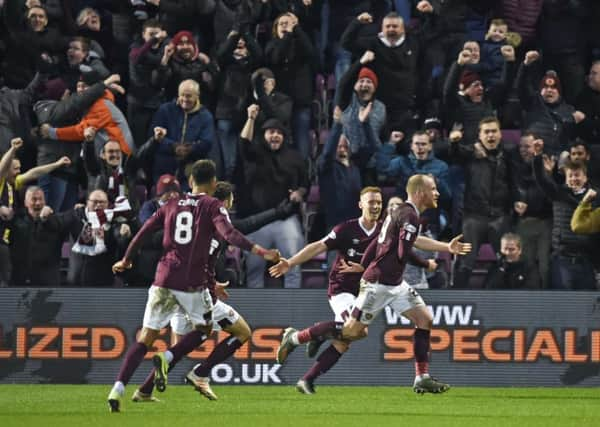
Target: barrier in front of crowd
{"points": [[485, 338]]}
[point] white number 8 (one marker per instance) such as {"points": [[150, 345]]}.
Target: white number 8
{"points": [[183, 228]]}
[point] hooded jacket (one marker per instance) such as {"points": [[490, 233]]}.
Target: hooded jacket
{"points": [[268, 175]]}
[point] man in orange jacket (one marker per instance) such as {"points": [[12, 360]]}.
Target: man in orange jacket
{"points": [[104, 116]]}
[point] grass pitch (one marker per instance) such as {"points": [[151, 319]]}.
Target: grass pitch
{"points": [[282, 406]]}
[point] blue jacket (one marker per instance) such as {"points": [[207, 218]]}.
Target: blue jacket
{"points": [[403, 167], [196, 128], [491, 62]]}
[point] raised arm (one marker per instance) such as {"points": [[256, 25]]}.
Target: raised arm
{"points": [[34, 173], [7, 158], [585, 220]]}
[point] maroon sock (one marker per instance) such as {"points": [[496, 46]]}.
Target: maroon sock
{"points": [[321, 331], [324, 362], [187, 344], [421, 350], [221, 352], [133, 358], [148, 385]]}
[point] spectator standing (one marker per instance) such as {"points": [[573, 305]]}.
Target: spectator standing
{"points": [[571, 257], [182, 60], [533, 211], [143, 98], [238, 56], [273, 173], [395, 62], [184, 132], [291, 56], [489, 194], [547, 113]]}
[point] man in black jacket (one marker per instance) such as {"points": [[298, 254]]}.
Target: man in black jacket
{"points": [[111, 171], [546, 112], [37, 243], [510, 271], [534, 212], [489, 193], [143, 98], [273, 172], [395, 64], [238, 56]]}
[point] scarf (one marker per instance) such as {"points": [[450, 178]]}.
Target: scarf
{"points": [[91, 238], [116, 184]]}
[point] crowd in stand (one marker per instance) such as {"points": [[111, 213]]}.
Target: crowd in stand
{"points": [[106, 104]]}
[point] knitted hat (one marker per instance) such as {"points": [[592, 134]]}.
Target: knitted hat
{"points": [[367, 73], [468, 77], [273, 124], [190, 37], [432, 123], [88, 75], [54, 89], [551, 79], [167, 183]]}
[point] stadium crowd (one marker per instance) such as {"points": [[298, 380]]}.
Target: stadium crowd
{"points": [[106, 104]]}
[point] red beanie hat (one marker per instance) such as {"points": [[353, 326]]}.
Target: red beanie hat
{"points": [[167, 183], [468, 77], [368, 74], [551, 79]]}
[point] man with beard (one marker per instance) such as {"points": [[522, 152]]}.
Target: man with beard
{"points": [[273, 172], [112, 171], [182, 60]]}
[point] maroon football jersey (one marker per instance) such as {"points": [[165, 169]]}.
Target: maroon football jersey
{"points": [[393, 247], [190, 226], [350, 239]]}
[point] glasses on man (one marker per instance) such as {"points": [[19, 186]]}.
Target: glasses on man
{"points": [[98, 201]]}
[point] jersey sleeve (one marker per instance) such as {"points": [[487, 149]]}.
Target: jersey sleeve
{"points": [[222, 223], [408, 234], [333, 239]]}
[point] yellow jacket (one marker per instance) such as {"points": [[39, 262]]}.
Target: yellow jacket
{"points": [[585, 220]]}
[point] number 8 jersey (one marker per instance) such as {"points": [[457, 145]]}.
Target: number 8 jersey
{"points": [[189, 223]]}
